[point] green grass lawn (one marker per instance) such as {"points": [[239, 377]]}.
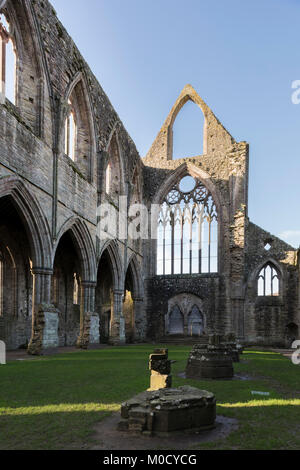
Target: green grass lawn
{"points": [[54, 402]]}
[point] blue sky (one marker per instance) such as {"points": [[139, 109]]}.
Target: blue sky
{"points": [[241, 57]]}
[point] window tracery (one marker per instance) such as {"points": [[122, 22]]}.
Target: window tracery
{"points": [[187, 230]]}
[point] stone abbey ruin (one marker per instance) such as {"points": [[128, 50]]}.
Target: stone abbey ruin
{"points": [[63, 153]]}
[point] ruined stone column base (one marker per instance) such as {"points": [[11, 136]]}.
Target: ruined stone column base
{"points": [[89, 333], [45, 330], [169, 410], [117, 336]]}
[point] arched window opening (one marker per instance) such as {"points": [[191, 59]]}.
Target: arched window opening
{"points": [[70, 133], [7, 62], [188, 132], [268, 281], [108, 178], [113, 171], [195, 322], [187, 234], [79, 139]]}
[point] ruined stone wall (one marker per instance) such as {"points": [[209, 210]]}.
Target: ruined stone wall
{"points": [[223, 168], [54, 195], [267, 318], [230, 298], [49, 70]]}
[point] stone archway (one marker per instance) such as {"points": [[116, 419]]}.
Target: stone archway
{"points": [[16, 279], [109, 295], [176, 322], [26, 263], [66, 292], [185, 316], [104, 296], [195, 322], [74, 263], [135, 321]]}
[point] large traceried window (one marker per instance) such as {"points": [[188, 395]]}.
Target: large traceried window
{"points": [[7, 62], [268, 281], [187, 238]]}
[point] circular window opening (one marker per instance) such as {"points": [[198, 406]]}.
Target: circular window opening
{"points": [[187, 184]]}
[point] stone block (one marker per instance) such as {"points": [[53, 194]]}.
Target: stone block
{"points": [[158, 381]]}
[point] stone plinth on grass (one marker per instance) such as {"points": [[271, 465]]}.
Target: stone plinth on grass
{"points": [[210, 361], [169, 410]]}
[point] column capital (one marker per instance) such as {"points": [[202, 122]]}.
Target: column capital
{"points": [[88, 283], [138, 299], [118, 292], [43, 271]]}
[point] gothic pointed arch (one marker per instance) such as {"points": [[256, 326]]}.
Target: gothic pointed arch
{"points": [[112, 250], [134, 266], [84, 244], [185, 315], [34, 220], [78, 136], [180, 172], [114, 174], [109, 288], [30, 74], [188, 223], [215, 136], [269, 280]]}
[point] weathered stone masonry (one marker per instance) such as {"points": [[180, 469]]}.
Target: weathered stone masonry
{"points": [[230, 300], [59, 284]]}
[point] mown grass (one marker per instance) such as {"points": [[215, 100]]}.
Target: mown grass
{"points": [[54, 402]]}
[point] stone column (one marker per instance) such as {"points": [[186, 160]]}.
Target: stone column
{"points": [[117, 323], [140, 324], [44, 314], [89, 320]]}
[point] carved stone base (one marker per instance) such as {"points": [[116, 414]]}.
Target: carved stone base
{"points": [[210, 362], [45, 329], [169, 410]]}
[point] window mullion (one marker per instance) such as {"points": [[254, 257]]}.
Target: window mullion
{"points": [[200, 240], [172, 242], [209, 243], [191, 240]]}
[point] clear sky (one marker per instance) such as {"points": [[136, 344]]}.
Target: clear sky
{"points": [[240, 56]]}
